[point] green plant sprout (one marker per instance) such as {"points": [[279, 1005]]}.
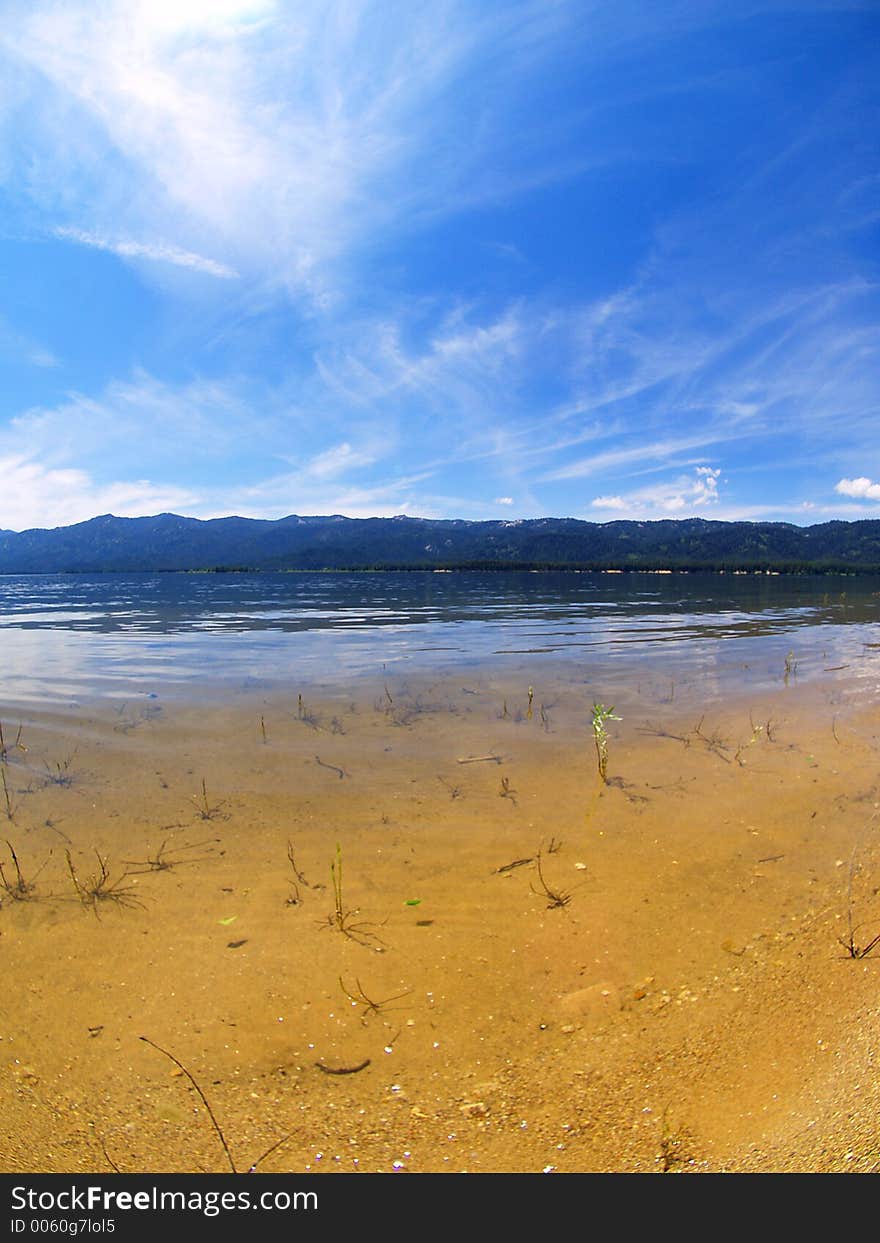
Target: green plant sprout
{"points": [[362, 932], [601, 714]]}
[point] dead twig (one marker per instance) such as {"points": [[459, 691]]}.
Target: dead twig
{"points": [[206, 809], [299, 879], [343, 1070], [360, 998], [160, 862], [509, 867], [99, 888], [20, 890], [210, 1111], [555, 898], [340, 772], [7, 748], [849, 943]]}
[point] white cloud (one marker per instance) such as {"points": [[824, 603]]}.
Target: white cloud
{"points": [[37, 495], [679, 497], [460, 362], [300, 493], [139, 420], [859, 487], [171, 17], [647, 451], [339, 459], [34, 495], [503, 500], [705, 489], [156, 251], [286, 142], [452, 398], [273, 136]]}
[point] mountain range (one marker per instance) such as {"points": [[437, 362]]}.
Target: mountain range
{"points": [[170, 542]]}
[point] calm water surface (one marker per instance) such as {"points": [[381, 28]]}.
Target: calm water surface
{"points": [[69, 637]]}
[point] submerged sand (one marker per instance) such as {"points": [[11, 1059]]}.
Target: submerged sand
{"points": [[527, 969]]}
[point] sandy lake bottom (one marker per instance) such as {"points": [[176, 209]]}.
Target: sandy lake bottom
{"points": [[412, 929]]}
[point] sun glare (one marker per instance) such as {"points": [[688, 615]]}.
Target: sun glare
{"points": [[169, 17]]}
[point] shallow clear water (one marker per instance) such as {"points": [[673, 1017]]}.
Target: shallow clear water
{"points": [[68, 637]]}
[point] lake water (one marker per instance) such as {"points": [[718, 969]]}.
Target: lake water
{"points": [[67, 638]]}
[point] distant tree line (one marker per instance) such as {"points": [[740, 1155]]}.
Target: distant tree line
{"points": [[169, 542]]}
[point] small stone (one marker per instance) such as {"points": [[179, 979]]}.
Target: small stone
{"points": [[474, 1109], [592, 1004]]}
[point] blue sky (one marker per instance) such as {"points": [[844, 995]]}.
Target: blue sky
{"points": [[454, 258]]}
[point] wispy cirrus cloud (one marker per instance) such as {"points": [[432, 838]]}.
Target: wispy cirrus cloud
{"points": [[340, 459], [289, 140], [456, 366], [550, 254], [200, 443], [158, 252], [633, 457], [276, 136], [141, 420], [19, 345]]}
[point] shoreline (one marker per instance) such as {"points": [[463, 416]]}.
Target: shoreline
{"points": [[685, 1005], [770, 570]]}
